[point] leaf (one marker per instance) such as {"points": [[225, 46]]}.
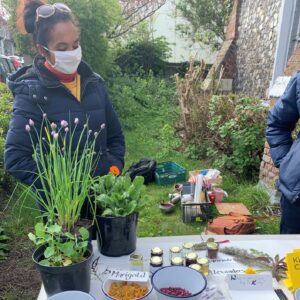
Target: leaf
{"points": [[70, 235], [67, 248], [32, 237], [107, 212], [67, 262], [49, 251], [54, 229], [84, 233], [4, 238], [82, 245], [40, 230], [57, 259], [45, 262]]}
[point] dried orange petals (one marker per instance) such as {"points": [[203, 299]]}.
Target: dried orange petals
{"points": [[127, 290]]}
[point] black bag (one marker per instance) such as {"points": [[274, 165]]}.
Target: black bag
{"points": [[145, 167]]}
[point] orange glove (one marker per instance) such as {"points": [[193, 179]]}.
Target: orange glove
{"points": [[114, 170]]}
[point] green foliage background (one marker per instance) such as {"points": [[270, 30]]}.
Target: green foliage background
{"points": [[206, 20], [95, 18]]}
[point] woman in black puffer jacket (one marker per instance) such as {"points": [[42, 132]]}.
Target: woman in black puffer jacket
{"points": [[62, 86]]}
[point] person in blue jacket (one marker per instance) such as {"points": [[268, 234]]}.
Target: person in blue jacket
{"points": [[285, 153], [62, 86]]}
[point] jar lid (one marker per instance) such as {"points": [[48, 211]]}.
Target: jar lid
{"points": [[156, 251], [191, 256], [136, 257], [188, 245], [175, 249], [202, 261], [156, 260], [195, 267], [177, 261], [212, 246]]}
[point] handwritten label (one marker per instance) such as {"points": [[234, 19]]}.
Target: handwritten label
{"points": [[124, 275], [293, 273], [249, 282]]}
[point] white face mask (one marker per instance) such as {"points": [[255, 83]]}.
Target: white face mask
{"points": [[66, 62]]}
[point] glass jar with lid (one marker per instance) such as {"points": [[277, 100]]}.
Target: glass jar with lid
{"points": [[204, 265], [177, 261], [156, 262], [191, 258], [175, 251], [212, 250], [156, 251], [195, 267], [187, 248]]}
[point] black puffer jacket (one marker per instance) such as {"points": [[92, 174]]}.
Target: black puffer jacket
{"points": [[284, 150], [36, 91]]}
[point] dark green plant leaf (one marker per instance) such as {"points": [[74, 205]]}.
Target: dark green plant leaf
{"points": [[49, 251], [84, 233]]}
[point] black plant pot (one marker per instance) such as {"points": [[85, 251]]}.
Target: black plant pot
{"points": [[117, 235], [60, 279]]}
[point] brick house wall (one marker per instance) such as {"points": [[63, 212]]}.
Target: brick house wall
{"points": [[256, 46]]}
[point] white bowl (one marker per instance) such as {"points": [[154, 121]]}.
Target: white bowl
{"points": [[72, 295], [297, 294], [106, 284], [180, 277]]}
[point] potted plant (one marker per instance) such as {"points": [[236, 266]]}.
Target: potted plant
{"points": [[61, 256], [62, 187], [120, 200]]}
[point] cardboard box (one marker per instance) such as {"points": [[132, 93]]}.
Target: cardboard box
{"points": [[218, 181]]}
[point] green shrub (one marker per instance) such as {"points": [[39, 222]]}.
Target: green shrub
{"points": [[148, 55], [6, 181], [134, 97], [237, 125]]}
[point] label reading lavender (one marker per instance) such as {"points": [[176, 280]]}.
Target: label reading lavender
{"points": [[124, 275]]}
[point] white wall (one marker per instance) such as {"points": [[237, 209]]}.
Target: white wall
{"points": [[164, 24]]}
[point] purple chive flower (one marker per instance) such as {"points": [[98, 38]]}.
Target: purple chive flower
{"points": [[27, 128], [52, 133], [53, 126], [96, 134], [102, 126], [31, 122], [76, 121], [55, 135], [67, 129], [44, 115], [90, 131], [64, 123]]}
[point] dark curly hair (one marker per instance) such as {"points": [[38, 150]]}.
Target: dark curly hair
{"points": [[41, 30]]}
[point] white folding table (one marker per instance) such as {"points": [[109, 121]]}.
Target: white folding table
{"points": [[270, 244]]}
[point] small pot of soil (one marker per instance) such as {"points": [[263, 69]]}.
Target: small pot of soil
{"points": [[59, 279]]}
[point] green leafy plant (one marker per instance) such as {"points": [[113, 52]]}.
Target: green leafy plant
{"points": [[62, 248], [64, 169], [4, 249], [6, 181], [118, 196], [169, 142], [237, 126], [205, 20]]}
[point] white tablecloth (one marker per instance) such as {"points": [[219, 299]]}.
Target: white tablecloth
{"points": [[271, 244]]}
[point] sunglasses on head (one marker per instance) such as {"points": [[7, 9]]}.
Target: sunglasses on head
{"points": [[47, 10]]}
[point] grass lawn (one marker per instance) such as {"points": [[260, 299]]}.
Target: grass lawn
{"points": [[19, 280]]}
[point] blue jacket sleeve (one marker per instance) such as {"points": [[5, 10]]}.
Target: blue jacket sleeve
{"points": [[115, 137], [282, 120], [18, 154]]}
